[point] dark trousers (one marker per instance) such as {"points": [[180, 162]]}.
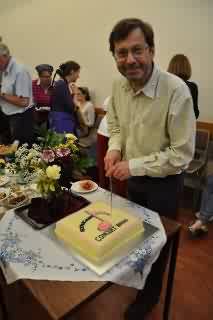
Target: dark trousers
{"points": [[163, 196], [18, 127], [4, 129], [158, 194]]}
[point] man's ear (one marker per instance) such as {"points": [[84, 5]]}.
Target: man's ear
{"points": [[152, 51]]}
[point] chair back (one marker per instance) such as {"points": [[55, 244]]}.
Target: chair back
{"points": [[202, 139], [195, 174], [202, 145]]}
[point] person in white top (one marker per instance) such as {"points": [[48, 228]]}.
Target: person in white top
{"points": [[102, 129], [86, 109]]}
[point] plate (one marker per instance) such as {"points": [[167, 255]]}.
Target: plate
{"points": [[76, 186], [18, 204], [3, 191], [4, 180], [6, 149], [42, 109]]}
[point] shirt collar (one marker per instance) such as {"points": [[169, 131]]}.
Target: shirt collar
{"points": [[38, 83], [9, 66], [149, 89]]}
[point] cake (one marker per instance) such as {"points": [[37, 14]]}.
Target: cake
{"points": [[98, 235]]}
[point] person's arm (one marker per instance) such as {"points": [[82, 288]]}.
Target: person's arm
{"points": [[23, 91], [113, 154], [195, 100], [15, 100], [181, 127], [113, 127], [89, 115]]}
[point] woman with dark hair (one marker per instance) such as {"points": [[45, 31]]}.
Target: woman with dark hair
{"points": [[86, 110], [62, 116], [181, 67], [41, 92]]}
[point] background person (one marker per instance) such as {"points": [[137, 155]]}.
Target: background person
{"points": [[41, 93], [16, 98], [86, 110], [62, 117], [181, 67]]}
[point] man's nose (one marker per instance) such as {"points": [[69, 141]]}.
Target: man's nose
{"points": [[130, 58]]}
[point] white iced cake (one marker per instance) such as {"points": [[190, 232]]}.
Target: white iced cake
{"points": [[98, 235]]}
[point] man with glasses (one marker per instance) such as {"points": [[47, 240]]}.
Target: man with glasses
{"points": [[152, 135]]}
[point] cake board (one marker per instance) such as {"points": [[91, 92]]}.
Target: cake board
{"points": [[149, 231]]}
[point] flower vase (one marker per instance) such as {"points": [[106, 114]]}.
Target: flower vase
{"points": [[55, 206], [66, 173]]}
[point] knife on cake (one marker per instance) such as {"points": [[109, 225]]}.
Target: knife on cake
{"points": [[110, 186]]}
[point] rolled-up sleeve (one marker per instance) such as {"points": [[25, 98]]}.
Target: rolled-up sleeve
{"points": [[181, 128], [113, 127]]}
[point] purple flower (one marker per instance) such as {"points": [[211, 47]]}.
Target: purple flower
{"points": [[48, 155], [62, 152]]}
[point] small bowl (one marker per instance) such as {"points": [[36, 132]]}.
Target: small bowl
{"points": [[4, 193]]}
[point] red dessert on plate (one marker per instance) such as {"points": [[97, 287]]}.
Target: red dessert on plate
{"points": [[87, 185]]}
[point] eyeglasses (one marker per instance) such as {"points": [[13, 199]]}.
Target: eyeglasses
{"points": [[136, 52]]}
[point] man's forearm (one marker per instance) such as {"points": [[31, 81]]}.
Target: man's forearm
{"points": [[115, 143], [161, 164], [17, 101]]}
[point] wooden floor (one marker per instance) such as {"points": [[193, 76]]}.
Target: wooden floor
{"points": [[193, 291]]}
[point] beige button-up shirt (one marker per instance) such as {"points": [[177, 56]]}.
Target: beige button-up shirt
{"points": [[154, 128]]}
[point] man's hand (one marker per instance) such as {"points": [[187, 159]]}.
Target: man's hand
{"points": [[121, 170], [112, 157], [17, 101]]}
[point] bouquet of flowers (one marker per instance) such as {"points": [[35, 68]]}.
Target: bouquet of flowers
{"points": [[57, 164], [26, 162], [49, 164]]}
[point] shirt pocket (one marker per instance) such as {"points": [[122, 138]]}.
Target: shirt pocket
{"points": [[8, 86]]}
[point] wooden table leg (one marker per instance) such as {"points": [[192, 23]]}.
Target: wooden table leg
{"points": [[2, 299], [171, 273]]}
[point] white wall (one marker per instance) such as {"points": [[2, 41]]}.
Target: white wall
{"points": [[52, 31]]}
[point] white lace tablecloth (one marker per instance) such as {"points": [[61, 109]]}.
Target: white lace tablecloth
{"points": [[30, 254]]}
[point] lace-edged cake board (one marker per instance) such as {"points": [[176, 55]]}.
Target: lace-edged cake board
{"points": [[149, 231]]}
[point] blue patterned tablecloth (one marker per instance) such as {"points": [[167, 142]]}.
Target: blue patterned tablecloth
{"points": [[30, 254]]}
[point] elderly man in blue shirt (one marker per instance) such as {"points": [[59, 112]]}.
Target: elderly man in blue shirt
{"points": [[16, 97]]}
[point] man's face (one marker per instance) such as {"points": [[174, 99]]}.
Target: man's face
{"points": [[134, 57], [45, 78], [3, 62], [74, 76]]}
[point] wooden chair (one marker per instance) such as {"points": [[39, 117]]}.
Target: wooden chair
{"points": [[196, 172]]}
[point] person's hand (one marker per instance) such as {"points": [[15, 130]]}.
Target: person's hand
{"points": [[111, 158], [73, 88], [2, 94], [121, 170], [76, 102]]}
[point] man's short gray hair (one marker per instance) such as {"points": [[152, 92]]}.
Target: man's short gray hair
{"points": [[4, 51]]}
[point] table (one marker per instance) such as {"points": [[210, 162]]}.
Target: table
{"points": [[55, 300]]}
